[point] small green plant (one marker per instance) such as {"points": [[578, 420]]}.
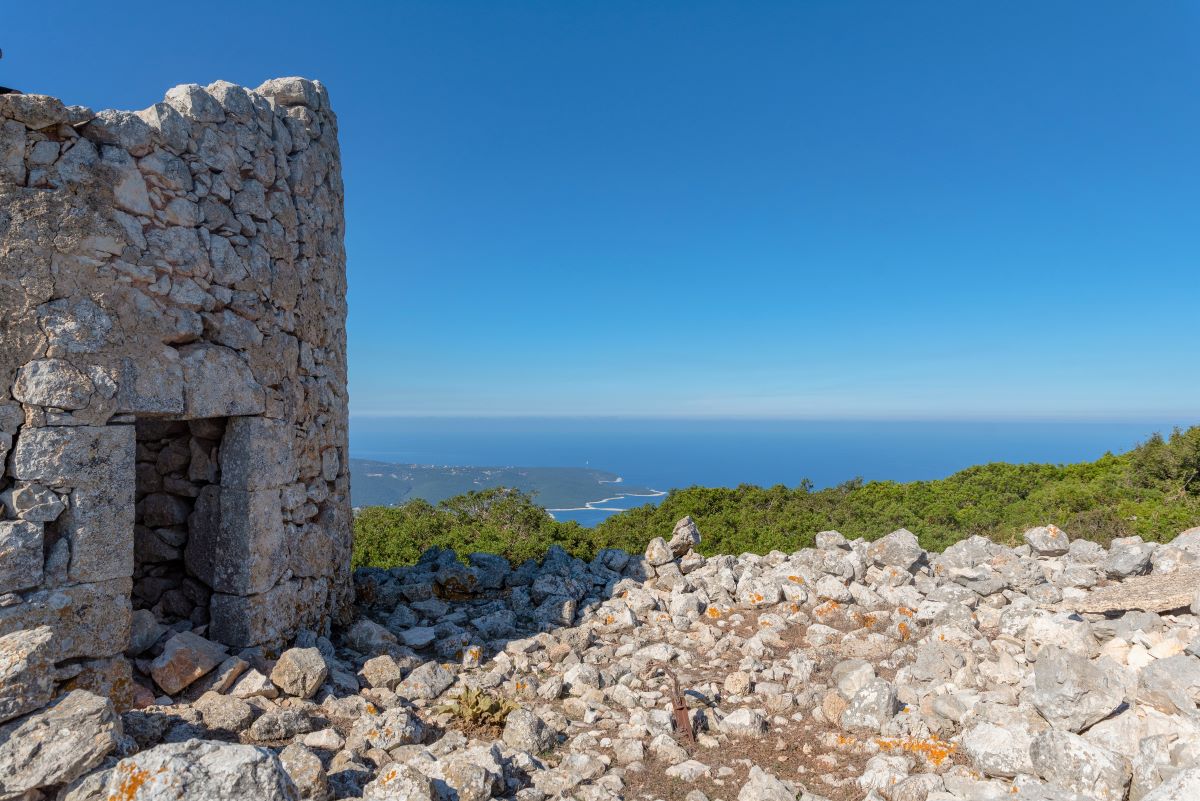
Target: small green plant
{"points": [[476, 707]]}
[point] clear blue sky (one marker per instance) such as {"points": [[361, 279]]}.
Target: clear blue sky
{"points": [[795, 209]]}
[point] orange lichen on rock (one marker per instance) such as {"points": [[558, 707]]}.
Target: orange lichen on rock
{"points": [[866, 619], [826, 610], [130, 779], [935, 751]]}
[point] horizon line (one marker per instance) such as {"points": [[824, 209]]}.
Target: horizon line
{"points": [[1155, 418]]}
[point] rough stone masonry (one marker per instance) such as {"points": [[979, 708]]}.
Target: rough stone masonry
{"points": [[172, 372]]}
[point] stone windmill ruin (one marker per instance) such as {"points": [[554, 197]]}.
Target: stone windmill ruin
{"points": [[172, 371]]}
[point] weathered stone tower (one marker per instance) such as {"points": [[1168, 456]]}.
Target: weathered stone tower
{"points": [[172, 369]]}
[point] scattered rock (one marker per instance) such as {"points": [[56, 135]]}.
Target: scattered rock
{"points": [[1069, 762], [185, 658], [57, 744], [1047, 541], [199, 770], [26, 671], [300, 672], [426, 682]]}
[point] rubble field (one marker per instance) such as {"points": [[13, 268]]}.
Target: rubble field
{"points": [[1059, 670]]}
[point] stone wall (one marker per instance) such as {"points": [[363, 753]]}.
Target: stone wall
{"points": [[172, 368]]}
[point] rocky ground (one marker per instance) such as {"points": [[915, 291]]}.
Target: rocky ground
{"points": [[853, 670]]}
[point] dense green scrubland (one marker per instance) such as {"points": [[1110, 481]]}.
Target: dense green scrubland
{"points": [[1153, 491]]}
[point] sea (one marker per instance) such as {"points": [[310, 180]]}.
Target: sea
{"points": [[662, 454]]}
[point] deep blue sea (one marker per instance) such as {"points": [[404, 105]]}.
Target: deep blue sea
{"points": [[678, 453]]}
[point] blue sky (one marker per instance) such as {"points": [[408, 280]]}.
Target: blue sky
{"points": [[801, 209]]}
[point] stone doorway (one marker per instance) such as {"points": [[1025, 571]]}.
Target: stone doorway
{"points": [[178, 463], [211, 544]]}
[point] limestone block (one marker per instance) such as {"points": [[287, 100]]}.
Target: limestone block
{"points": [[58, 744], [193, 102], [400, 781], [167, 170], [26, 671], [685, 537], [179, 246], [300, 671], [233, 99], [152, 384], [293, 92], [12, 151], [999, 750], [217, 383], [201, 769], [125, 129], [33, 111], [257, 453], [74, 326], [306, 770], [231, 330], [163, 509], [78, 164], [1047, 540], [110, 678], [89, 620], [128, 186], [145, 631], [53, 382], [20, 555], [185, 658], [99, 526], [310, 552], [241, 620], [236, 540], [331, 464], [78, 456], [1069, 762], [390, 729], [171, 127], [899, 549]]}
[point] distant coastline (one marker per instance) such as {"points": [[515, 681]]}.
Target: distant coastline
{"points": [[561, 490], [591, 506], [646, 457]]}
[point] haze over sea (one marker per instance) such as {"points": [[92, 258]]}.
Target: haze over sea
{"points": [[670, 453]]}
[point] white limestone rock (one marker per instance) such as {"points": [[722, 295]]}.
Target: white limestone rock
{"points": [[1072, 692], [199, 770], [684, 538], [185, 658], [300, 671], [1001, 751], [21, 554], [53, 382], [1047, 540], [26, 671], [58, 744], [1070, 762]]}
